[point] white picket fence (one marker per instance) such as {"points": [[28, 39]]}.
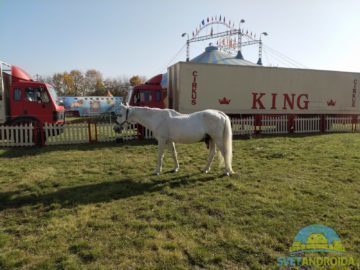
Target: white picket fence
{"points": [[78, 133], [339, 124], [274, 124], [87, 132], [66, 134], [129, 132], [21, 135], [307, 125], [106, 132], [242, 126]]}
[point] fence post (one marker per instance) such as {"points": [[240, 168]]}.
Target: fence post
{"points": [[96, 133], [257, 124], [89, 128], [322, 123], [41, 130], [291, 123], [140, 131], [353, 123], [38, 137]]}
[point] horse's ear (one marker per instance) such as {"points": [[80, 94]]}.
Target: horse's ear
{"points": [[125, 104]]}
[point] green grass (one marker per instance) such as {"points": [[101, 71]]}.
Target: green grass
{"points": [[98, 206]]}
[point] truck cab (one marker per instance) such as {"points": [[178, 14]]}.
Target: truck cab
{"points": [[23, 100], [150, 94]]}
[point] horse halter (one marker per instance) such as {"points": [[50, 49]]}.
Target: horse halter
{"points": [[126, 118]]}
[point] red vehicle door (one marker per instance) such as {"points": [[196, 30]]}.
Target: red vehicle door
{"points": [[31, 101]]}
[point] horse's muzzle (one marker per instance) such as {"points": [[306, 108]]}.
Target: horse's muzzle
{"points": [[117, 128]]}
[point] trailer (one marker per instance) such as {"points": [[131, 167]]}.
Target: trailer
{"points": [[255, 90], [91, 105], [251, 90]]}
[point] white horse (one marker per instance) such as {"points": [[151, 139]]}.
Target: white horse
{"points": [[170, 127]]}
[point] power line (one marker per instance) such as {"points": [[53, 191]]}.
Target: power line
{"points": [[284, 57], [280, 60], [176, 55], [267, 57], [165, 66]]}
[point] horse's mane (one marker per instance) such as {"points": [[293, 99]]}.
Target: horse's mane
{"points": [[171, 111]]}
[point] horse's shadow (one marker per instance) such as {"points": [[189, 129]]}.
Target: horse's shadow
{"points": [[98, 193]]}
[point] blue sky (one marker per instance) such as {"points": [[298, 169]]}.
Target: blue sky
{"points": [[125, 38]]}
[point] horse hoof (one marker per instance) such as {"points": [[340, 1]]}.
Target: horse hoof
{"points": [[227, 174], [206, 171], [175, 170], [156, 173]]}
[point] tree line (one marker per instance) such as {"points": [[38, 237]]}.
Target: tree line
{"points": [[91, 83]]}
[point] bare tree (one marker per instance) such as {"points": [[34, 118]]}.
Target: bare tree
{"points": [[136, 80], [76, 83], [57, 80], [93, 79]]}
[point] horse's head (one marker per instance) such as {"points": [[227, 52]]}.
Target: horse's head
{"points": [[121, 118]]}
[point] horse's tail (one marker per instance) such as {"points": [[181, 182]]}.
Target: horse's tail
{"points": [[227, 137]]}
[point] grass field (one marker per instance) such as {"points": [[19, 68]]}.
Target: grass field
{"points": [[98, 206]]}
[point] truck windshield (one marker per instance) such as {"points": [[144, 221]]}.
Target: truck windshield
{"points": [[53, 94]]}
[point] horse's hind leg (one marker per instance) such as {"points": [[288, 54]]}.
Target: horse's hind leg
{"points": [[174, 155], [212, 152], [161, 145], [220, 145]]}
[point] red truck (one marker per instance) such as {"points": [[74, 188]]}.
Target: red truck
{"points": [[152, 93], [23, 100]]}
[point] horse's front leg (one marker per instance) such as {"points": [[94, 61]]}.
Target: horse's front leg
{"points": [[174, 155], [161, 145]]}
